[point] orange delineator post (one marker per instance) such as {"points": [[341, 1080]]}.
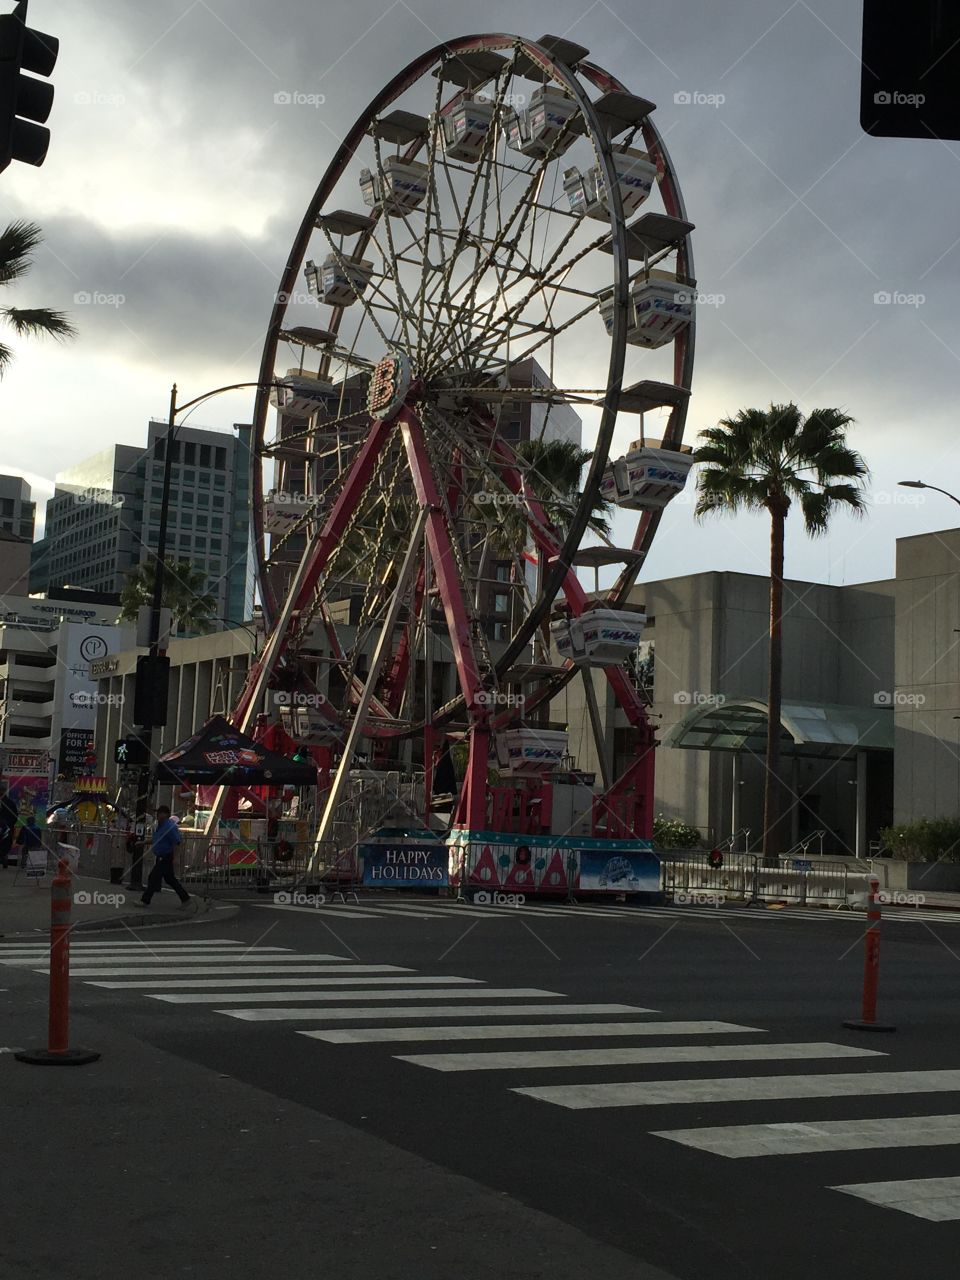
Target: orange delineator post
{"points": [[58, 1051], [871, 966], [58, 1027]]}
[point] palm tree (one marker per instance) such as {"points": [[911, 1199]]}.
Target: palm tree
{"points": [[767, 459], [552, 469], [17, 242], [185, 594]]}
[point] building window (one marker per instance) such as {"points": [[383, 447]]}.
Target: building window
{"points": [[501, 602], [190, 455], [204, 455]]}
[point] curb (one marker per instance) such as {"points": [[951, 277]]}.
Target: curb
{"points": [[142, 920]]}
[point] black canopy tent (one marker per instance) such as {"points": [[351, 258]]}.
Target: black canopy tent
{"points": [[220, 755]]}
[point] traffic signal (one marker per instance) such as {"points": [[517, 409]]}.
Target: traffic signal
{"points": [[131, 751], [24, 99], [150, 691], [909, 69]]}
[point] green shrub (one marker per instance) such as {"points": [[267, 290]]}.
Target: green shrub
{"points": [[926, 840], [671, 833]]}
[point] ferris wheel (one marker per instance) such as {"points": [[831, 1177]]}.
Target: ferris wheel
{"points": [[496, 260]]}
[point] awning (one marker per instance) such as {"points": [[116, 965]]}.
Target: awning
{"points": [[817, 730], [223, 756]]}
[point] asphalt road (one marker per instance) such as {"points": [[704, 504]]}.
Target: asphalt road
{"points": [[617, 1069]]}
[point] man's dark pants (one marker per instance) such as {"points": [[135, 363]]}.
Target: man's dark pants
{"points": [[163, 871]]}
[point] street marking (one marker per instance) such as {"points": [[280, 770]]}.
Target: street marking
{"points": [[485, 993], [343, 910], [653, 1093], [247, 958], [935, 1199], [87, 959], [132, 942], [238, 997], [155, 971], [612, 1057], [278, 997], [737, 1141], [459, 1011], [144, 984], [536, 1031]]}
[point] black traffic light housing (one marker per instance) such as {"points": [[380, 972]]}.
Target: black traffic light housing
{"points": [[131, 751], [150, 691], [910, 69], [25, 102]]}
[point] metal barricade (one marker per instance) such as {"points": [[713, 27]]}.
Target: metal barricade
{"points": [[689, 876], [222, 862]]}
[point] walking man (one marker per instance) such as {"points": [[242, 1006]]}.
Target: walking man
{"points": [[166, 837]]}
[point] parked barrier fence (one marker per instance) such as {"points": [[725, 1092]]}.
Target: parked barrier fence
{"points": [[689, 876]]}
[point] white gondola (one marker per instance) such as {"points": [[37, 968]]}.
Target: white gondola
{"points": [[534, 130], [636, 174], [300, 397], [647, 477], [599, 637], [659, 308], [307, 725], [535, 750], [465, 128], [284, 511], [400, 187], [338, 281]]}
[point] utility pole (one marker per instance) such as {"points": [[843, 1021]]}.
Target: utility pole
{"points": [[153, 671]]}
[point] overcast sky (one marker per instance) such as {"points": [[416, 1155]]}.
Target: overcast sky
{"points": [[174, 185]]}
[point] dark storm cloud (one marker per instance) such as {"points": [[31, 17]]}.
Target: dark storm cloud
{"points": [[802, 221]]}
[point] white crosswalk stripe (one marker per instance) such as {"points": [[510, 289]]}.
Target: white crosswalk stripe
{"points": [[316, 991], [423, 993], [738, 1141], [535, 1031], [144, 984], [194, 971], [614, 1057], [435, 1012], [936, 1199], [654, 1093], [131, 942]]}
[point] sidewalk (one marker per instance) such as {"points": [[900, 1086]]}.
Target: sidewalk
{"points": [[146, 1164], [97, 905]]}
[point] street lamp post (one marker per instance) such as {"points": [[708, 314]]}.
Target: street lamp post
{"points": [[920, 484], [151, 713]]}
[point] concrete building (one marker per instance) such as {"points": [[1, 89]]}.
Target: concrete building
{"points": [[17, 509], [705, 645], [47, 694], [104, 516], [926, 693], [14, 564]]}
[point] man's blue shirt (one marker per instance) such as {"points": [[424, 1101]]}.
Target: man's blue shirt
{"points": [[165, 838]]}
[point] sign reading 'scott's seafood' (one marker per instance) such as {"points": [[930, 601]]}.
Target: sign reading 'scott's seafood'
{"points": [[404, 866]]}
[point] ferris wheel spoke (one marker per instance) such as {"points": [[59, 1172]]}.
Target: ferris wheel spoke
{"points": [[497, 326], [522, 206], [481, 173]]}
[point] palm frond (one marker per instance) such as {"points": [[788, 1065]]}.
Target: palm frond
{"points": [[39, 321], [17, 242]]}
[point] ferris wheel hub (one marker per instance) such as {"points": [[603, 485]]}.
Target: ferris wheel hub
{"points": [[389, 385]]}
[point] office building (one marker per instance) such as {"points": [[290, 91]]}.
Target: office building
{"points": [[104, 517]]}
